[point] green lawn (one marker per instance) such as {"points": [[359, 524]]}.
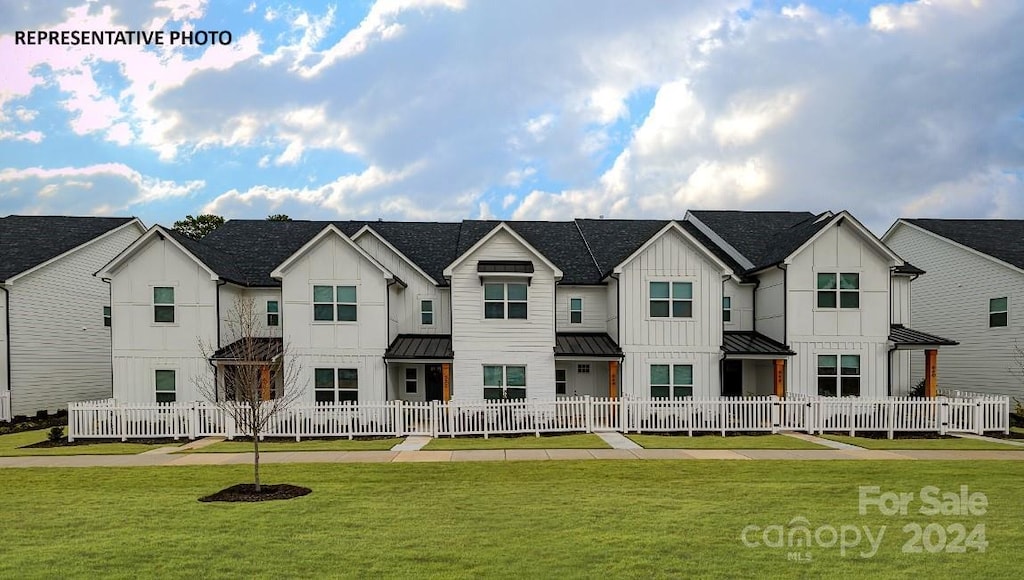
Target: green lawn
{"points": [[953, 443], [13, 444], [719, 442], [574, 441], [559, 519], [304, 445]]}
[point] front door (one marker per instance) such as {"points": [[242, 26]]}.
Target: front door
{"points": [[434, 383], [732, 378]]}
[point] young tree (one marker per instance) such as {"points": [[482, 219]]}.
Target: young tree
{"points": [[196, 227], [278, 217], [257, 381]]}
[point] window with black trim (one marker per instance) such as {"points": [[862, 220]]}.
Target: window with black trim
{"points": [[163, 304], [560, 381], [273, 314], [166, 391], [426, 312], [575, 311], [998, 312], [106, 316], [410, 379], [726, 309]]}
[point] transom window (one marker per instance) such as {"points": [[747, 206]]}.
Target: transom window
{"points": [[726, 309], [165, 386], [998, 309], [163, 304], [410, 380], [575, 311], [560, 381], [332, 303], [839, 290], [504, 382], [671, 381], [273, 314], [106, 316], [505, 300], [336, 385], [671, 299], [426, 312], [839, 375]]}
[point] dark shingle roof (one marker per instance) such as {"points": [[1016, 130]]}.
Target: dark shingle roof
{"points": [[562, 244], [1000, 239], [737, 342], [765, 238], [612, 241], [429, 245], [27, 241]]}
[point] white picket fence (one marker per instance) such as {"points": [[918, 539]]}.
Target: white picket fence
{"points": [[5, 405], [110, 420]]}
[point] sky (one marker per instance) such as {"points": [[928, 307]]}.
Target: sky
{"points": [[442, 110]]}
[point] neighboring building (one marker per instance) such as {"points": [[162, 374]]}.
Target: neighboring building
{"points": [[974, 291], [719, 303], [54, 314]]}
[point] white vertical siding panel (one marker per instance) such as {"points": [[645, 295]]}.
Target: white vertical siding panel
{"points": [[595, 308]]}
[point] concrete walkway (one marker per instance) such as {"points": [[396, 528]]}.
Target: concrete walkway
{"points": [[159, 459], [412, 443], [617, 440], [820, 441], [1014, 442]]}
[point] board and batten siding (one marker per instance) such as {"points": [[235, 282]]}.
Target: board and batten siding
{"points": [[742, 302], [405, 302], [770, 303], [142, 346], [60, 350], [3, 340], [595, 304], [951, 300], [695, 341], [320, 344], [813, 331], [478, 341]]}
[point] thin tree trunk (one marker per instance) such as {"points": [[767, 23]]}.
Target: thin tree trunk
{"points": [[256, 448]]}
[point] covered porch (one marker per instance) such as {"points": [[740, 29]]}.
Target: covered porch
{"points": [[419, 368], [753, 365], [903, 344], [587, 364], [249, 368]]}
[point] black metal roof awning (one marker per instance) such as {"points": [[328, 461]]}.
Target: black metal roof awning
{"points": [[747, 343], [504, 267], [586, 345], [903, 337], [421, 347], [253, 349]]}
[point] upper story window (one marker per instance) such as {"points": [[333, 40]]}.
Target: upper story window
{"points": [[671, 381], [575, 311], [332, 303], [998, 309], [839, 290], [504, 382], [726, 309], [671, 299], [106, 316], [163, 304], [427, 312], [273, 313], [165, 386], [505, 300], [839, 375]]}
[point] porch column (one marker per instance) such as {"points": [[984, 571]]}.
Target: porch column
{"points": [[613, 379], [264, 383], [779, 389], [446, 381], [931, 372]]}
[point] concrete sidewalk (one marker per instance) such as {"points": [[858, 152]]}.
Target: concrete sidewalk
{"points": [[393, 456]]}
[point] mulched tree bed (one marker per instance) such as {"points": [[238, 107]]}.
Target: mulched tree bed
{"points": [[708, 433], [65, 443], [895, 435], [247, 492]]}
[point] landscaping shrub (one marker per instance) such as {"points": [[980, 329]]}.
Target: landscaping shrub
{"points": [[55, 435]]}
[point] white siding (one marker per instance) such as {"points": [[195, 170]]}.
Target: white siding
{"points": [[612, 297], [581, 384], [951, 300], [360, 344], [478, 341], [742, 305], [595, 308], [901, 300], [405, 302], [770, 302], [60, 350], [3, 340], [863, 331], [142, 346], [696, 341]]}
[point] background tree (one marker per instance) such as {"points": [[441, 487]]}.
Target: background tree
{"points": [[196, 227], [278, 217], [256, 383]]}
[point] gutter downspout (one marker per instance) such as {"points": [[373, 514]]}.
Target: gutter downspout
{"points": [[7, 332]]}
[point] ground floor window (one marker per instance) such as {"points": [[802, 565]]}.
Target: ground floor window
{"points": [[410, 380], [165, 386], [336, 385], [839, 375], [504, 382], [560, 381], [671, 381]]}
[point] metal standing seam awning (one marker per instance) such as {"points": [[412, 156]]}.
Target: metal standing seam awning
{"points": [[420, 347], [592, 345], [257, 349], [752, 345], [904, 338]]}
